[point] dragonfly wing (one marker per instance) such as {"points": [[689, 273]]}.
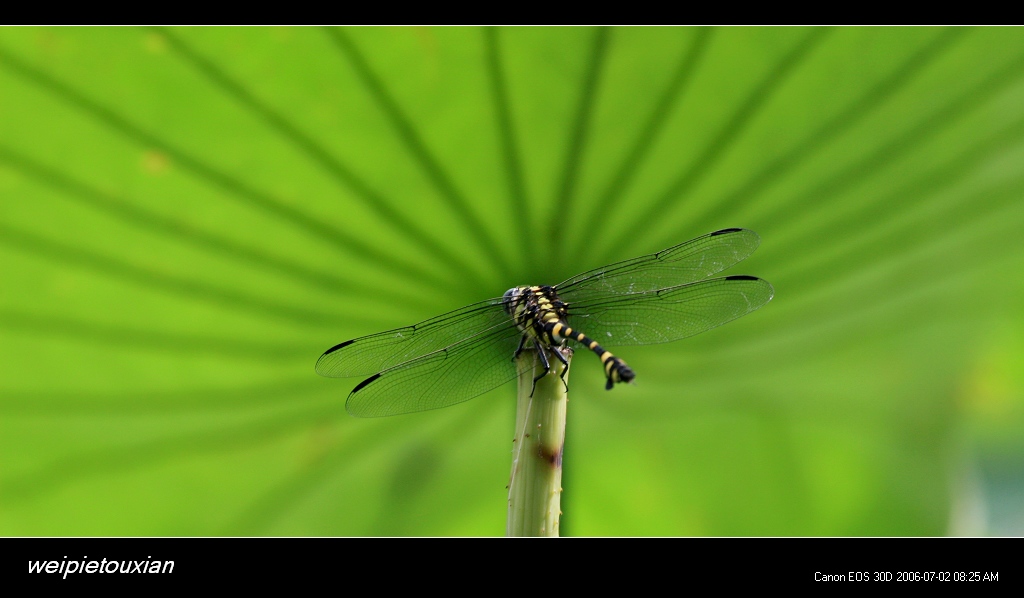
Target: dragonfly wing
{"points": [[446, 377], [669, 314], [377, 352], [687, 262]]}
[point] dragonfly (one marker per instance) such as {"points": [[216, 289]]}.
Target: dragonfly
{"points": [[457, 356]]}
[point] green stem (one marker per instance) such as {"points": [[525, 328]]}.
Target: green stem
{"points": [[535, 488]]}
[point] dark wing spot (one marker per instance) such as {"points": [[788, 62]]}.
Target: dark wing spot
{"points": [[365, 382], [742, 277], [726, 231], [338, 346]]}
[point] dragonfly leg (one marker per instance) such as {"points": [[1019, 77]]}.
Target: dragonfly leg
{"points": [[522, 345], [544, 361], [558, 354]]}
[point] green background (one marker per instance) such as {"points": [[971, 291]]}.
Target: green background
{"points": [[190, 217]]}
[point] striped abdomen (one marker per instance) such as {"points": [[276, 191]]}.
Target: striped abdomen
{"points": [[615, 369]]}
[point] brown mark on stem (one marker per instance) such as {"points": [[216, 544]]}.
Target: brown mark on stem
{"points": [[553, 458]]}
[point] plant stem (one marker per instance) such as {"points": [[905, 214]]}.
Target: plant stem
{"points": [[535, 487]]}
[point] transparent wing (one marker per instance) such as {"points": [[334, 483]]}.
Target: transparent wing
{"points": [[377, 352], [446, 377], [669, 314], [687, 262]]}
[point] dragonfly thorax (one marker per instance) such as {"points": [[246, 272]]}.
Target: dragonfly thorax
{"points": [[534, 309]]}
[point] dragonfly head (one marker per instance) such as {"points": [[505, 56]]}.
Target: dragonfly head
{"points": [[510, 298]]}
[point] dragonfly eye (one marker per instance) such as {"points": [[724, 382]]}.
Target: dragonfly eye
{"points": [[509, 298]]}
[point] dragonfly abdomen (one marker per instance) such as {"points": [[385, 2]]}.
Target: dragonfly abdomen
{"points": [[615, 369]]}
